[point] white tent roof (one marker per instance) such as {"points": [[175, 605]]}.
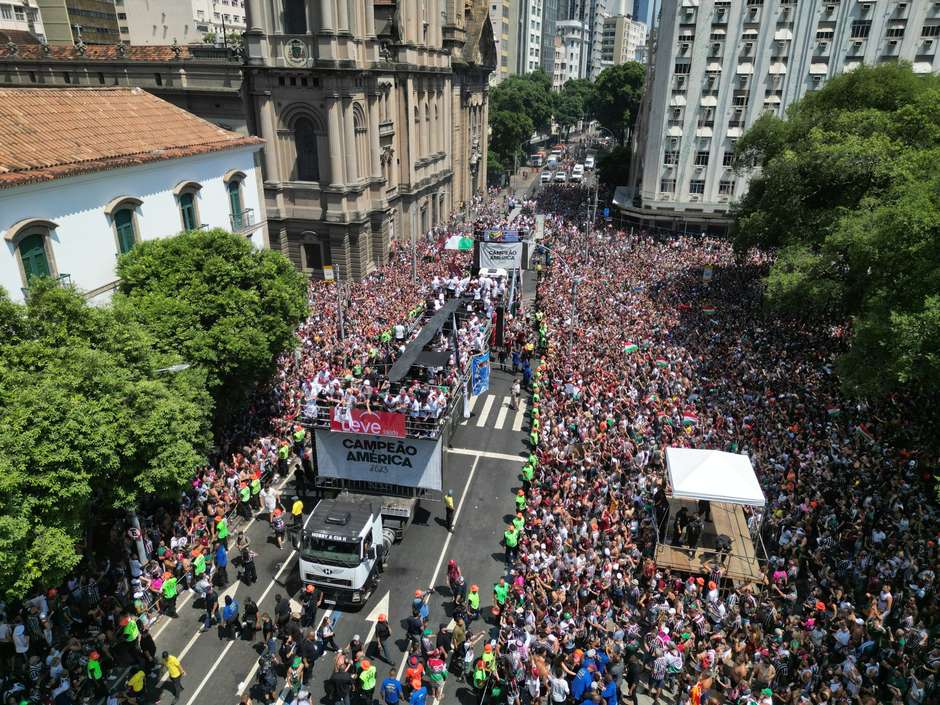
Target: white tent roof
{"points": [[713, 475]]}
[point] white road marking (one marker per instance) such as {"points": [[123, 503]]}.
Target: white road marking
{"points": [[487, 454], [520, 416], [440, 559], [470, 405], [501, 416], [381, 607], [484, 414]]}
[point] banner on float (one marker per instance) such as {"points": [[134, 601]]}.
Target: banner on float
{"points": [[539, 226], [500, 255], [379, 423], [501, 235], [395, 461], [480, 373]]}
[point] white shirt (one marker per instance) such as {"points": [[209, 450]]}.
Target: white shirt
{"points": [[20, 639], [560, 689]]}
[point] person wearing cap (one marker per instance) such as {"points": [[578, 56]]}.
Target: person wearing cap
{"points": [[414, 671], [473, 603], [449, 510], [244, 499], [221, 529], [367, 671], [295, 677], [283, 457], [169, 593], [511, 542], [419, 694], [175, 673], [255, 487], [95, 674], [382, 634], [392, 693], [312, 600]]}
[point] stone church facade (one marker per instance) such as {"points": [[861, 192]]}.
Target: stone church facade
{"points": [[374, 116]]}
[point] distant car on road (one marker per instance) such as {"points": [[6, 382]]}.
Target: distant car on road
{"points": [[589, 162], [560, 177], [546, 177]]}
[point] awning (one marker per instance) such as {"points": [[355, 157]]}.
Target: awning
{"points": [[746, 68], [713, 475], [734, 132], [714, 67], [690, 3], [716, 31], [772, 99], [783, 35], [674, 131], [703, 132], [919, 67], [749, 33], [709, 101], [677, 101], [819, 69], [777, 68]]}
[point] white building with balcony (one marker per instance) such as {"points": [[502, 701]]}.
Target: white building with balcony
{"points": [[573, 35], [137, 168], [19, 16], [146, 22], [718, 65]]}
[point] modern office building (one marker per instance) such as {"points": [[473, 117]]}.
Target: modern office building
{"points": [[549, 18], [528, 40], [68, 21], [21, 20], [500, 17], [624, 40], [718, 65], [643, 10]]}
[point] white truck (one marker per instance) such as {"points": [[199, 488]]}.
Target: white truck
{"points": [[347, 540]]}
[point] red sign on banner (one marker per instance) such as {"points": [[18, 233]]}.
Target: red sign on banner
{"points": [[373, 423]]}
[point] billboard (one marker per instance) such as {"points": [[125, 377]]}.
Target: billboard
{"points": [[480, 373], [378, 423], [395, 461], [501, 255]]}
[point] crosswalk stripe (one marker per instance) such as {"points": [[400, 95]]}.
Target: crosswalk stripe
{"points": [[501, 416], [520, 416], [470, 405], [487, 405]]}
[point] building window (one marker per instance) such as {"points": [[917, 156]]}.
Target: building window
{"points": [[895, 31], [930, 30], [683, 68], [188, 211], [667, 185], [861, 29], [235, 203], [701, 159], [727, 159], [697, 186], [305, 142], [158, 79], [313, 255], [34, 257], [295, 16], [670, 157], [6, 12], [66, 76], [725, 187], [124, 225]]}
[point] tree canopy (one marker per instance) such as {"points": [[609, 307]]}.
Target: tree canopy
{"points": [[849, 192], [87, 424], [519, 107], [217, 302], [615, 99]]}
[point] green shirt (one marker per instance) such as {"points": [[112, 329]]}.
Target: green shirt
{"points": [[520, 502], [479, 678], [199, 565], [511, 538], [94, 670], [518, 523], [169, 588], [131, 632], [368, 678], [283, 452], [221, 527], [473, 599], [244, 493], [255, 486], [299, 435], [502, 592], [528, 472]]}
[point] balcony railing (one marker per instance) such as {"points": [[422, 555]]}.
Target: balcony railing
{"points": [[63, 280], [242, 221]]}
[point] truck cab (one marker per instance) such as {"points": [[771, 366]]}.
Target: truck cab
{"points": [[346, 541]]}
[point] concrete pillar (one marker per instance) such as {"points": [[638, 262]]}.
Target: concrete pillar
{"points": [[370, 18], [327, 16], [374, 135], [254, 17], [352, 170], [342, 15], [335, 133]]}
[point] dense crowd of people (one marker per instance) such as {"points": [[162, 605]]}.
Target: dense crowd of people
{"points": [[846, 608]]}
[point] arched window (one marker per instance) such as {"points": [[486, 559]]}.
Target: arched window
{"points": [[295, 16], [32, 249], [235, 202], [305, 141], [362, 141], [124, 225], [188, 211]]}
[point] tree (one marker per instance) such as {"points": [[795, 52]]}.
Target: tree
{"points": [[613, 168], [615, 99], [570, 104], [216, 301], [528, 95], [87, 425], [848, 194], [508, 133]]}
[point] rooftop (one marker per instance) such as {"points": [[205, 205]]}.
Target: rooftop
{"points": [[52, 133], [26, 50]]}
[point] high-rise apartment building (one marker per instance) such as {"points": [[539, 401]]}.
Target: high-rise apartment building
{"points": [[500, 13], [145, 22], [573, 63], [591, 13], [624, 40], [718, 65], [67, 21], [549, 18], [528, 49], [20, 18], [643, 11]]}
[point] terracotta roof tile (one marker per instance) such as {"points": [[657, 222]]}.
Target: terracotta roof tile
{"points": [[50, 133]]}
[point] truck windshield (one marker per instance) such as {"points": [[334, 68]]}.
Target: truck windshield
{"points": [[321, 550]]}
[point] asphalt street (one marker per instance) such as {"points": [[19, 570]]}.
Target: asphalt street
{"points": [[482, 470]]}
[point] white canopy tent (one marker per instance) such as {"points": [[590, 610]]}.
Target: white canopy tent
{"points": [[713, 475]]}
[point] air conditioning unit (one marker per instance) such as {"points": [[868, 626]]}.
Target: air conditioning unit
{"points": [[823, 45], [680, 79], [685, 48], [715, 49], [674, 142], [748, 46], [928, 43], [722, 199], [830, 9], [817, 79]]}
